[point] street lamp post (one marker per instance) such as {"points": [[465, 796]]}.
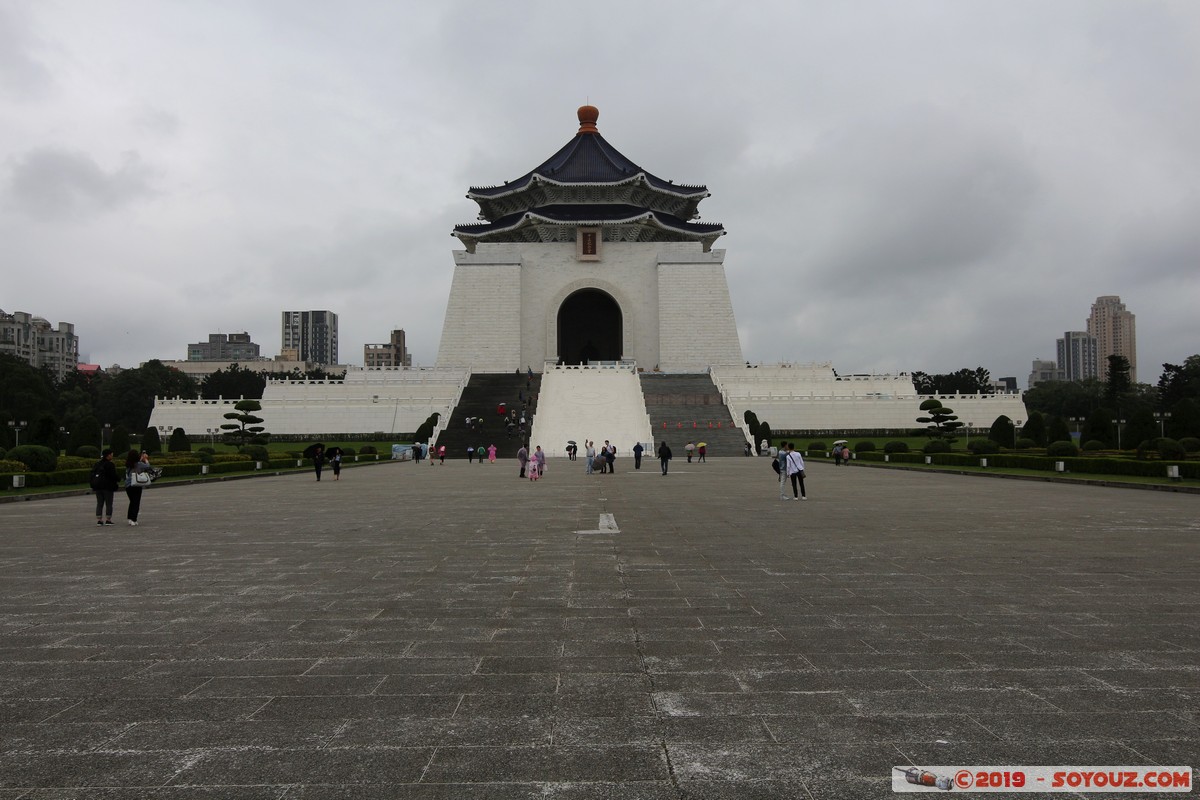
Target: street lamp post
{"points": [[63, 433], [1016, 427], [104, 434], [17, 427], [1162, 417], [1118, 423], [164, 433], [212, 437], [968, 430]]}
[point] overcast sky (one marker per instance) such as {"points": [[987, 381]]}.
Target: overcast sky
{"points": [[905, 185]]}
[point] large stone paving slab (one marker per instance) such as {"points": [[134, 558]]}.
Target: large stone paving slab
{"points": [[452, 631]]}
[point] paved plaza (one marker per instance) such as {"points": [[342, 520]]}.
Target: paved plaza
{"points": [[417, 631]]}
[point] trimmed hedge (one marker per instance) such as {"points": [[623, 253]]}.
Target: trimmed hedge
{"points": [[34, 456], [1092, 466], [179, 469]]}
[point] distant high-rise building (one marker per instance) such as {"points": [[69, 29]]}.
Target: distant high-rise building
{"points": [[312, 334], [32, 340], [391, 354], [224, 347], [1077, 356], [1044, 371], [1116, 335]]}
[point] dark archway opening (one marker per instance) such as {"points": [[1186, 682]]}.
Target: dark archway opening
{"points": [[589, 328]]}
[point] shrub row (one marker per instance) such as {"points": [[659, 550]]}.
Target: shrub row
{"points": [[1092, 466]]}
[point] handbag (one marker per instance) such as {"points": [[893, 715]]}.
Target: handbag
{"points": [[142, 479]]}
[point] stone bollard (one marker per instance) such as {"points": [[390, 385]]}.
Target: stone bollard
{"points": [[204, 469], [1172, 472], [1060, 466], [18, 481], [983, 463]]}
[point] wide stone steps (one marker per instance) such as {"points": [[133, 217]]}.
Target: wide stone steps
{"points": [[480, 398], [685, 408]]}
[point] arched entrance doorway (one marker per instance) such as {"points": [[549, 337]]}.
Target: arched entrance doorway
{"points": [[589, 328]]}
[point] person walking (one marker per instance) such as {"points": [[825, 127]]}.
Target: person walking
{"points": [[523, 460], [491, 451], [701, 450], [795, 471], [319, 461], [335, 461], [781, 469], [540, 457], [104, 484], [136, 463], [664, 456], [637, 455], [470, 453], [610, 457], [589, 452], [688, 448], [442, 454]]}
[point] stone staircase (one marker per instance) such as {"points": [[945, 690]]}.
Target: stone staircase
{"points": [[480, 398], [691, 408]]}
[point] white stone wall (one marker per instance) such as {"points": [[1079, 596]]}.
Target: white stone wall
{"points": [[482, 328], [367, 401], [813, 397], [636, 275], [696, 324]]}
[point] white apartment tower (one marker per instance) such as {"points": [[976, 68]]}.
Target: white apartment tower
{"points": [[32, 340], [1077, 356], [313, 335], [1114, 327]]}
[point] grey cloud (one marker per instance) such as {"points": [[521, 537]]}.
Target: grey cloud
{"points": [[53, 184], [22, 75]]}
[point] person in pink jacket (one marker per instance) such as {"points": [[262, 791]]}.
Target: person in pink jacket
{"points": [[491, 454]]}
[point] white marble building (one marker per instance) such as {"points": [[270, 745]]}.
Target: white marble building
{"points": [[590, 259]]}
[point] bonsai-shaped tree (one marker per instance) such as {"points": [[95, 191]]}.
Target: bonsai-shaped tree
{"points": [[941, 422], [246, 428]]}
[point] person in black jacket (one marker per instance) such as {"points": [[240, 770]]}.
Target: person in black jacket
{"points": [[106, 488], [664, 455]]}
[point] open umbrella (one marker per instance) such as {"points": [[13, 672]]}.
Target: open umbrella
{"points": [[702, 444], [840, 441], [333, 451], [570, 441], [311, 450]]}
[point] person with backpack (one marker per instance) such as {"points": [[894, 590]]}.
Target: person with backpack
{"points": [[795, 471], [104, 484]]}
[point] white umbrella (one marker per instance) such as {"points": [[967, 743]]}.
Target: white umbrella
{"points": [[840, 441]]}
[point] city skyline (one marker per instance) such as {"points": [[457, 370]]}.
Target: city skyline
{"points": [[915, 188]]}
